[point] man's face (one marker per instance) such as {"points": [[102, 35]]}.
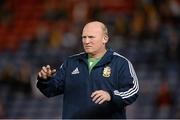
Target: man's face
{"points": [[93, 38]]}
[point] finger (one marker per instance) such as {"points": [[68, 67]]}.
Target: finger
{"points": [[105, 94], [44, 69], [53, 71], [43, 73], [99, 99], [96, 97], [48, 72], [94, 93], [48, 67], [102, 101], [39, 74]]}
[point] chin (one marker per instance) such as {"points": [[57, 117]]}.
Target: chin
{"points": [[89, 51]]}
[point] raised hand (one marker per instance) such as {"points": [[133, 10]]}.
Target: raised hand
{"points": [[46, 72]]}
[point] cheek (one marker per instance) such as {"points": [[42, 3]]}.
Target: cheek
{"points": [[98, 45]]}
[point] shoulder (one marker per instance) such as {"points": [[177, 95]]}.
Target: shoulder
{"points": [[119, 57], [70, 60], [123, 62], [76, 57]]}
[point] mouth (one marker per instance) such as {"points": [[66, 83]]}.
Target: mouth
{"points": [[87, 47]]}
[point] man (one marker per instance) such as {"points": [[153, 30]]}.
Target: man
{"points": [[98, 83]]}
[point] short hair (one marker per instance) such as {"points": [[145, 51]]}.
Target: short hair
{"points": [[104, 28]]}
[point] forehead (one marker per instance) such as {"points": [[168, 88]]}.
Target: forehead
{"points": [[92, 28]]}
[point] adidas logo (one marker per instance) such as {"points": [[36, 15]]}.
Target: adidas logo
{"points": [[76, 71]]}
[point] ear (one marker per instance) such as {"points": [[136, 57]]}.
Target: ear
{"points": [[105, 39]]}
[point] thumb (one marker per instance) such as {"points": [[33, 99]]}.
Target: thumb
{"points": [[53, 71]]}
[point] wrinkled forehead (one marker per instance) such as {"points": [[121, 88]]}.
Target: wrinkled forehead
{"points": [[92, 29]]}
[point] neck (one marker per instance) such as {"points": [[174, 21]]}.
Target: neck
{"points": [[98, 55]]}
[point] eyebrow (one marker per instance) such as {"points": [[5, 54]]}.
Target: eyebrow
{"points": [[90, 36]]}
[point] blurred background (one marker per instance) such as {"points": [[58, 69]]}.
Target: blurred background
{"points": [[34, 33]]}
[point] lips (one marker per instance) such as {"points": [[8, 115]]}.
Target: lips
{"points": [[88, 47]]}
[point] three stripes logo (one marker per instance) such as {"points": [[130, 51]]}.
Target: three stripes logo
{"points": [[75, 71], [132, 90]]}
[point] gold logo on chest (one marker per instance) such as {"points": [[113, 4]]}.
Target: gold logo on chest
{"points": [[107, 71]]}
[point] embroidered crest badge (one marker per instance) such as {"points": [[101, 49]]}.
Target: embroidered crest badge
{"points": [[107, 71]]}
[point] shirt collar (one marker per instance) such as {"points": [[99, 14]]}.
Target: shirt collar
{"points": [[104, 60]]}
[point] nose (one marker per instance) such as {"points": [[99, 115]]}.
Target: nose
{"points": [[86, 40]]}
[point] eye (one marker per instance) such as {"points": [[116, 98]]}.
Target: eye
{"points": [[91, 37], [84, 37]]}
